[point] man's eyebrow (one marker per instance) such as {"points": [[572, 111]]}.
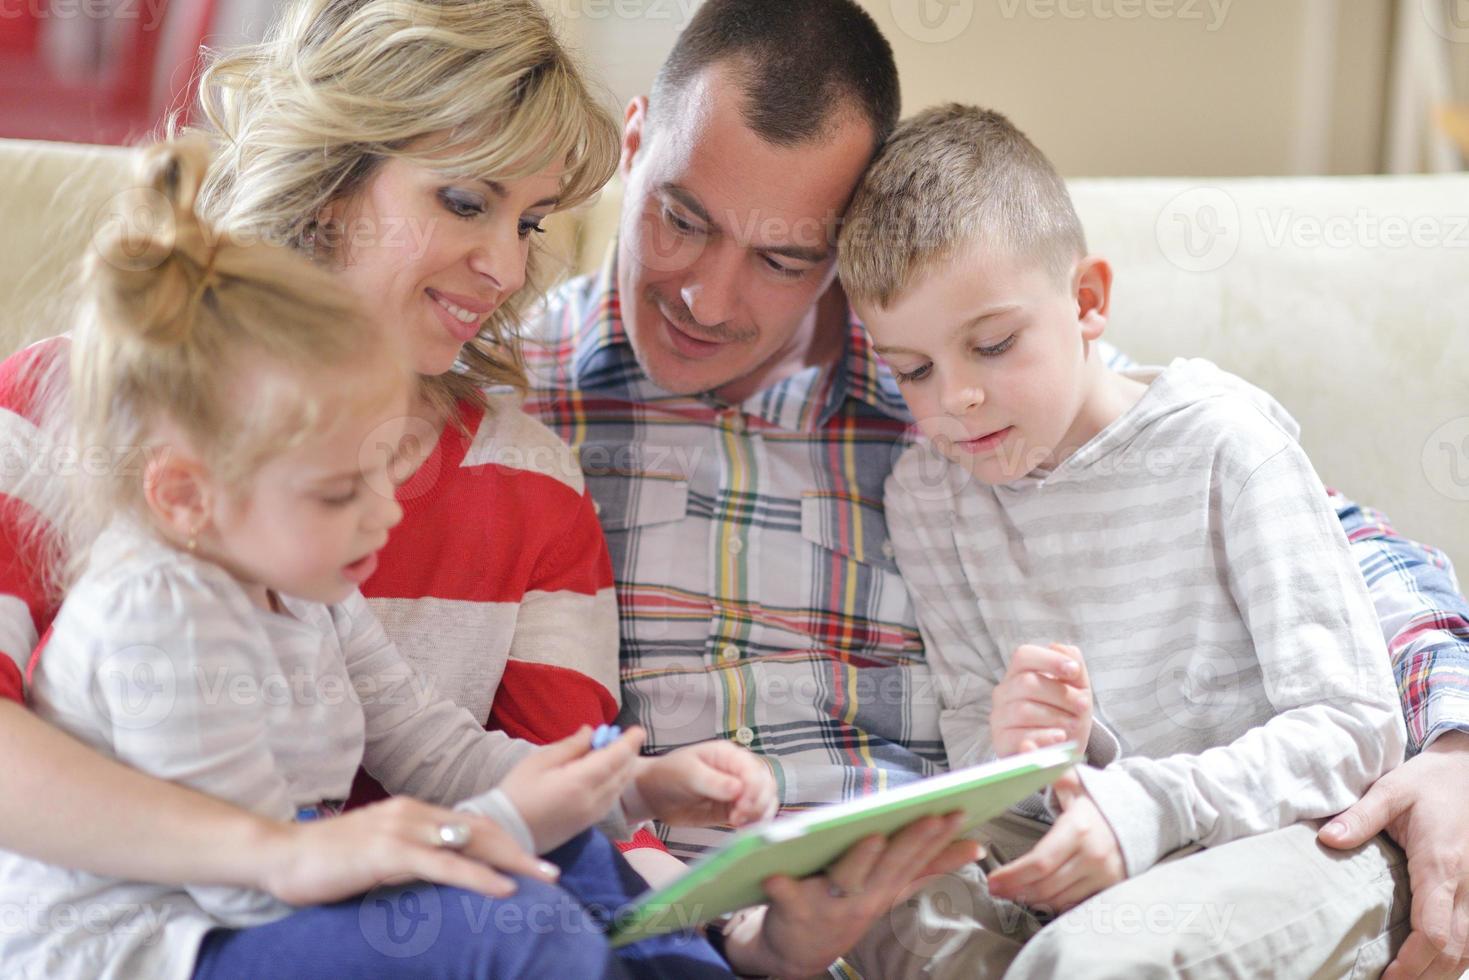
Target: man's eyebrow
{"points": [[691, 202], [498, 189], [801, 253]]}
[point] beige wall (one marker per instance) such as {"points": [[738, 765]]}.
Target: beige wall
{"points": [[1106, 87]]}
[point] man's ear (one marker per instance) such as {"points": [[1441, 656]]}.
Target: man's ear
{"points": [[1092, 287], [178, 493], [634, 120]]}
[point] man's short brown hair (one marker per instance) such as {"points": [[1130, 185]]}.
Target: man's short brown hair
{"points": [[947, 178]]}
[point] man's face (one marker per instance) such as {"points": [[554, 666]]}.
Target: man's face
{"points": [[726, 242]]}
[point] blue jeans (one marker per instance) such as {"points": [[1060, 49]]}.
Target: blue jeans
{"points": [[432, 931]]}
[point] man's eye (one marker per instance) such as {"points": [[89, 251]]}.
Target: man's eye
{"points": [[784, 270], [679, 224]]}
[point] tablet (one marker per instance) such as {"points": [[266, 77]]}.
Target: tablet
{"points": [[803, 844]]}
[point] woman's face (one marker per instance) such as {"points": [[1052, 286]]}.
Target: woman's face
{"points": [[436, 255]]}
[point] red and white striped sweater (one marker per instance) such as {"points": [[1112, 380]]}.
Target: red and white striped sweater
{"points": [[496, 585]]}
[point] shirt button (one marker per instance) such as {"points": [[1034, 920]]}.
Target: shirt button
{"points": [[596, 508], [729, 652], [888, 550], [745, 736], [736, 546]]}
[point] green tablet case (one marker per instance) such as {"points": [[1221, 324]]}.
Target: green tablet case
{"points": [[805, 843]]}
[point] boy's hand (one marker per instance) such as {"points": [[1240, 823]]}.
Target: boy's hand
{"points": [[1078, 857], [565, 787], [703, 784], [1045, 699]]}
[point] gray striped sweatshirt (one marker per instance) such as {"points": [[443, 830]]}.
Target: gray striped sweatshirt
{"points": [[1240, 680]]}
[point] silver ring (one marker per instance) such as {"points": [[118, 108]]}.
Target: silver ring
{"points": [[453, 836]]}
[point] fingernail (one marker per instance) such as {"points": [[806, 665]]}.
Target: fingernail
{"points": [[1336, 828], [548, 869]]}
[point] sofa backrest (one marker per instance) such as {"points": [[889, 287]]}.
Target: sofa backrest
{"points": [[1347, 298]]}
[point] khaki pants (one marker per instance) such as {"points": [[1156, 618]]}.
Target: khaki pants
{"points": [[1276, 905]]}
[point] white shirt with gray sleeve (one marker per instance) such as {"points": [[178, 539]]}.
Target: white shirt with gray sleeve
{"points": [[1240, 680]]}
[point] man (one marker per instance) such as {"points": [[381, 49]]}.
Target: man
{"points": [[736, 430]]}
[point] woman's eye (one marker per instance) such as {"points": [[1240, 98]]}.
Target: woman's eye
{"points": [[462, 205], [999, 348], [908, 377], [529, 225]]}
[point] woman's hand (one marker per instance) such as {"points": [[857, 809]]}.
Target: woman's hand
{"points": [[703, 784], [1045, 698], [320, 861], [565, 787]]}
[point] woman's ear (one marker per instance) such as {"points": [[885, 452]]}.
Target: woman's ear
{"points": [[633, 121], [178, 493], [1093, 291]]}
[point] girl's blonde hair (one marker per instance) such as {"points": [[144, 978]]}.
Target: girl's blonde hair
{"points": [[178, 319], [303, 120]]}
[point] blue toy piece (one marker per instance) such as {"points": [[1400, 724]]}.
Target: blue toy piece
{"points": [[605, 735]]}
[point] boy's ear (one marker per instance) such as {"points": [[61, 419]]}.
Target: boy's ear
{"points": [[1093, 290], [634, 119], [178, 493]]}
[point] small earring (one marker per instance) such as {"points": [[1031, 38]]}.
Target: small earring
{"points": [[193, 540]]}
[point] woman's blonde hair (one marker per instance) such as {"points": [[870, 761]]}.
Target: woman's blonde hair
{"points": [[303, 119], [178, 320]]}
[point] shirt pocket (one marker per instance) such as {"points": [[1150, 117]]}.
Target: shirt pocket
{"points": [[848, 524], [627, 500]]}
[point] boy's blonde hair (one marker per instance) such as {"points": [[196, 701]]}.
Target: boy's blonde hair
{"points": [[228, 347], [949, 177], [303, 120]]}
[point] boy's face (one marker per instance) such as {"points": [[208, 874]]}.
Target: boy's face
{"points": [[991, 354]]}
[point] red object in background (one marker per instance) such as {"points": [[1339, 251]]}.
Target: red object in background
{"points": [[119, 107]]}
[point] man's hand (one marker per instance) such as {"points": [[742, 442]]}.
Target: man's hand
{"points": [[703, 784], [1421, 806], [1045, 698], [811, 922], [1078, 857]]}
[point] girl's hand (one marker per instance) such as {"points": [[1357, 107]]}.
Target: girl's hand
{"points": [[565, 787], [321, 861], [1045, 698], [703, 784]]}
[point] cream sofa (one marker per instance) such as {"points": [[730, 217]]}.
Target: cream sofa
{"points": [[1348, 298]]}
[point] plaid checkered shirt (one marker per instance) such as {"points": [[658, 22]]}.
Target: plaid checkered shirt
{"points": [[758, 594]]}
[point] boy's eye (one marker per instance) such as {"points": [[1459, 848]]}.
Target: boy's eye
{"points": [[997, 349], [462, 204]]}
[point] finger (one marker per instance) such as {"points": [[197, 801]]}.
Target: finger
{"points": [[573, 746], [1081, 890], [1414, 958], [489, 844], [1033, 686], [851, 871], [782, 890], [1044, 660], [1052, 851], [1082, 677], [1034, 714], [1067, 788], [955, 855], [1366, 818], [911, 849], [448, 868], [1433, 911]]}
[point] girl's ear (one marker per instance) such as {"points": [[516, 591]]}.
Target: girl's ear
{"points": [[1092, 287], [179, 494]]}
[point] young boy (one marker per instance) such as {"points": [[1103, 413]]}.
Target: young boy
{"points": [[1228, 677]]}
